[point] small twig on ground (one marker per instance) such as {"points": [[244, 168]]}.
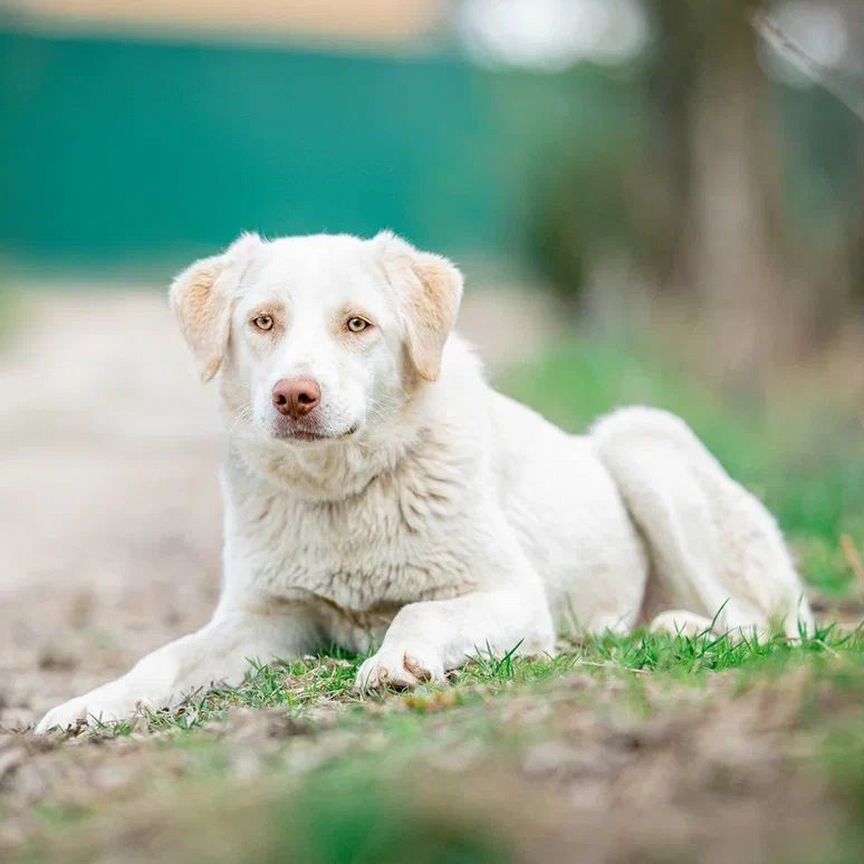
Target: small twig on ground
{"points": [[608, 665], [828, 648]]}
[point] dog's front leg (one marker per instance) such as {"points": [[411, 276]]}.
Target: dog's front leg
{"points": [[427, 639], [219, 653]]}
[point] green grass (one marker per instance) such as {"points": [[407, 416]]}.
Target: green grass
{"points": [[298, 687], [294, 686]]}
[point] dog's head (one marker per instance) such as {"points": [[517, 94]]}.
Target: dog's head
{"points": [[320, 337]]}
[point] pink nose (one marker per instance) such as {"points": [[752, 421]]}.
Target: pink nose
{"points": [[296, 397]]}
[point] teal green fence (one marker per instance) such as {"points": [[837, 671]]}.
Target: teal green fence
{"points": [[119, 148], [119, 151], [113, 151]]}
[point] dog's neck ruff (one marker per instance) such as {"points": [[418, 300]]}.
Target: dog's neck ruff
{"points": [[334, 471]]}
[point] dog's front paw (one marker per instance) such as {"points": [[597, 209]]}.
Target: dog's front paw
{"points": [[399, 668], [107, 704]]}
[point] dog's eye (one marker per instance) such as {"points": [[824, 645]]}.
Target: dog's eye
{"points": [[263, 322], [357, 324]]}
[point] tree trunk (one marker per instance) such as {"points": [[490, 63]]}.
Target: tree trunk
{"points": [[734, 240]]}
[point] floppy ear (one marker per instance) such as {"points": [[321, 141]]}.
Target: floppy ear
{"points": [[428, 290], [201, 300]]}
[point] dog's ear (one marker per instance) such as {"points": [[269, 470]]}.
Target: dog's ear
{"points": [[201, 300], [428, 290]]}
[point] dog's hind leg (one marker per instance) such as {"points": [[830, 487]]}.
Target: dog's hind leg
{"points": [[715, 549]]}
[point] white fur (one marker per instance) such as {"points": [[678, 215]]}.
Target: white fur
{"points": [[450, 520]]}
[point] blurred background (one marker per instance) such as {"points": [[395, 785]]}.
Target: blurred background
{"points": [[649, 161], [654, 201]]}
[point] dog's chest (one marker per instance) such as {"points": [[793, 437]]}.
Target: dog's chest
{"points": [[400, 541]]}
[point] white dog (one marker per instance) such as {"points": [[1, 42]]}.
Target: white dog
{"points": [[379, 495]]}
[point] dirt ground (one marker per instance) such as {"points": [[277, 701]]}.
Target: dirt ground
{"points": [[109, 503], [713, 776]]}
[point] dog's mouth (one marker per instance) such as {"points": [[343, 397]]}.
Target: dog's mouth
{"points": [[308, 436]]}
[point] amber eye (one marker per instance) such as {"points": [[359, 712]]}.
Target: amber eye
{"points": [[357, 324], [263, 322]]}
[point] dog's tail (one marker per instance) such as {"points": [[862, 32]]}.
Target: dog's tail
{"points": [[716, 551]]}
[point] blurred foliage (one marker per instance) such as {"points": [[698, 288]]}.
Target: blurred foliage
{"points": [[632, 189], [584, 210], [572, 140], [363, 813]]}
